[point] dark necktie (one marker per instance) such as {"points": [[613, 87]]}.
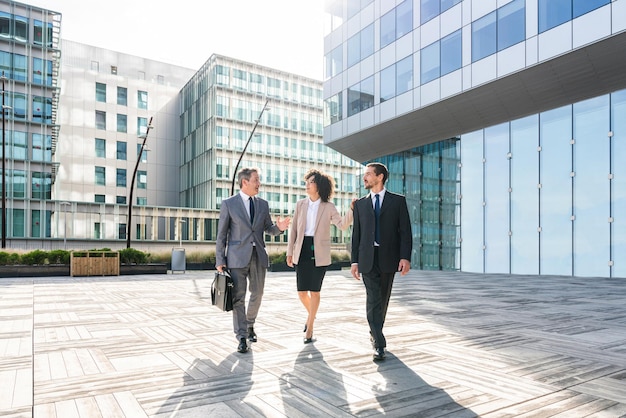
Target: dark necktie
{"points": [[376, 216], [251, 210]]}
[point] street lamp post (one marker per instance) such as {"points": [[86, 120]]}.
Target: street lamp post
{"points": [[132, 183], [65, 205], [4, 175], [256, 123]]}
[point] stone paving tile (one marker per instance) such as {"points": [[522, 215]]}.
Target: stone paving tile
{"points": [[459, 345]]}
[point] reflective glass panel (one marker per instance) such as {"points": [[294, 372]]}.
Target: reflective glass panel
{"points": [[404, 75], [367, 41], [354, 50], [591, 187], [404, 18], [451, 53], [388, 28], [525, 196], [388, 83], [618, 184], [553, 13], [555, 165], [472, 216], [511, 24], [428, 10], [584, 6], [484, 37], [497, 199], [429, 61]]}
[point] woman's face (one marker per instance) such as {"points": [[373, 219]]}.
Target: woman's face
{"points": [[311, 188]]}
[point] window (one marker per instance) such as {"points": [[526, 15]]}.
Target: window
{"points": [[361, 96], [42, 109], [100, 173], [42, 147], [41, 185], [142, 179], [121, 150], [142, 126], [19, 106], [511, 24], [95, 66], [101, 148], [19, 67], [17, 145], [396, 23], [498, 30], [97, 230], [142, 201], [121, 123], [42, 36], [42, 71], [396, 79], [120, 200], [101, 119], [101, 92], [17, 183], [144, 153], [142, 99], [361, 45], [553, 13], [120, 179], [333, 63], [122, 96], [99, 198], [433, 8], [113, 69], [333, 109]]}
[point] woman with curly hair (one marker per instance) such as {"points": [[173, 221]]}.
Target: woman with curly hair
{"points": [[309, 241]]}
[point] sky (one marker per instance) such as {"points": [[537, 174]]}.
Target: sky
{"points": [[283, 34]]}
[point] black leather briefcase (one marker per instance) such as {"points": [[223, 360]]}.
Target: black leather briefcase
{"points": [[222, 291]]}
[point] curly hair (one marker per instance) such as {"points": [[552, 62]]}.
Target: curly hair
{"points": [[325, 183]]}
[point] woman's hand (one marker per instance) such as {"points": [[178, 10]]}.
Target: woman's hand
{"points": [[290, 261]]}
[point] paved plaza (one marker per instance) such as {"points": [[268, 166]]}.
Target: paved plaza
{"points": [[459, 345]]}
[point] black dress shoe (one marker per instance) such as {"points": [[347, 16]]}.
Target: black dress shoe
{"points": [[310, 340], [243, 345], [379, 354], [252, 335]]}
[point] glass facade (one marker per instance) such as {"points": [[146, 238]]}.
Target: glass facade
{"points": [[539, 195]]}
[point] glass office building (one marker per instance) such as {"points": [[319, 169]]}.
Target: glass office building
{"points": [[503, 122]]}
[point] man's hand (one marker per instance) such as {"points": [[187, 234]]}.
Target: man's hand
{"points": [[354, 269], [221, 268], [283, 224], [404, 266]]}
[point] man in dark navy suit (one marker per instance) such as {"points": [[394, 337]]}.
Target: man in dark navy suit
{"points": [[381, 246]]}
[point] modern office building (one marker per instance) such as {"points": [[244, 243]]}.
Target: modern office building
{"points": [[229, 102], [29, 63], [78, 132], [503, 122]]}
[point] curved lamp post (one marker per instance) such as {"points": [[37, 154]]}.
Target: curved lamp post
{"points": [[132, 183], [4, 175], [256, 123]]}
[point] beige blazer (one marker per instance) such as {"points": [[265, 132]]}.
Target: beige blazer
{"points": [[327, 214]]}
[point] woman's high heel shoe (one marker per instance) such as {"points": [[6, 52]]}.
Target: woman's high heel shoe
{"points": [[309, 340]]}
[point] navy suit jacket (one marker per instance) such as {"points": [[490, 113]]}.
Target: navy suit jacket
{"points": [[395, 233]]}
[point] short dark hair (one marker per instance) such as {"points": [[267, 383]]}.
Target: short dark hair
{"points": [[245, 174], [325, 183], [379, 169]]}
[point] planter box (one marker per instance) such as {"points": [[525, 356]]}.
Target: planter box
{"points": [[153, 268], [95, 263], [44, 270]]}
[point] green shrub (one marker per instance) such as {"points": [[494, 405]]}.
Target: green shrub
{"points": [[36, 257], [7, 259], [59, 257], [132, 256], [278, 257], [337, 257]]}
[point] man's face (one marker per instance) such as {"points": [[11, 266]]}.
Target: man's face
{"points": [[370, 179], [251, 187]]}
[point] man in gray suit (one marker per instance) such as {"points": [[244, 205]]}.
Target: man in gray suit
{"points": [[240, 247], [381, 246]]}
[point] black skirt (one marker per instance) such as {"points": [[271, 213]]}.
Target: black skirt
{"points": [[309, 276]]}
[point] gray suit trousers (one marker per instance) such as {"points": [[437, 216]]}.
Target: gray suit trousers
{"points": [[252, 276]]}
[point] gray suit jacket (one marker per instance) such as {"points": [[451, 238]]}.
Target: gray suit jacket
{"points": [[237, 237]]}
